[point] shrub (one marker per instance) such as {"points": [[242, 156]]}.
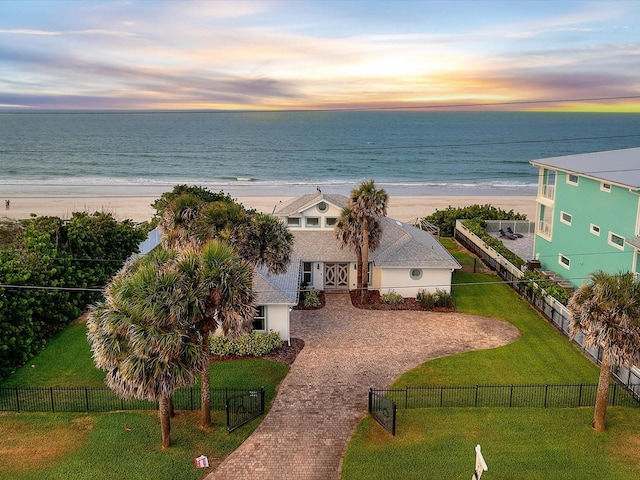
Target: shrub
{"points": [[536, 283], [392, 298], [311, 299], [250, 344], [427, 300], [477, 227], [446, 219], [430, 300], [444, 299]]}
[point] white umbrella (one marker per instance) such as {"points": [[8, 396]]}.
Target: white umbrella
{"points": [[481, 466]]}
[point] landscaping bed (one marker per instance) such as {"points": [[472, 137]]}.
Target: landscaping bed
{"points": [[374, 302]]}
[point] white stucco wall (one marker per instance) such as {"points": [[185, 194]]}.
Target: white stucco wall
{"points": [[398, 280], [278, 320]]}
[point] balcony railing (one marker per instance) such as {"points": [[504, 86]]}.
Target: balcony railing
{"points": [[548, 191], [544, 228]]}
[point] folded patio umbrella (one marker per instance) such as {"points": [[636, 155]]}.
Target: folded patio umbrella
{"points": [[481, 466]]}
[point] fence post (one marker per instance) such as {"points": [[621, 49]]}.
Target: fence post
{"points": [[580, 397], [370, 398], [615, 390], [511, 396], [546, 391], [53, 406], [406, 397], [441, 393], [18, 399], [86, 398], [261, 400], [477, 387]]}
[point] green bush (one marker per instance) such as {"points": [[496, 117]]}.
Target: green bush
{"points": [[430, 300], [250, 344], [311, 299], [536, 283], [446, 219], [77, 256], [391, 298], [477, 226], [427, 300]]}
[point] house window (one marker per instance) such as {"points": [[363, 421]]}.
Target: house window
{"points": [[595, 229], [565, 218], [312, 222], [293, 222], [260, 319], [605, 187], [415, 273], [322, 207], [307, 273], [330, 221], [564, 261], [572, 179], [616, 241]]}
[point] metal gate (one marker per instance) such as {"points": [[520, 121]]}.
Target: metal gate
{"points": [[243, 408], [336, 276], [383, 409]]}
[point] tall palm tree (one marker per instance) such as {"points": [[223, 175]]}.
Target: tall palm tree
{"points": [[142, 334], [348, 231], [224, 283], [368, 204], [606, 310]]}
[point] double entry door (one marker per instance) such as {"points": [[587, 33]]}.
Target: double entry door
{"points": [[336, 276]]}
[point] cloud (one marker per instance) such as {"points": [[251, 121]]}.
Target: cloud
{"points": [[49, 33]]}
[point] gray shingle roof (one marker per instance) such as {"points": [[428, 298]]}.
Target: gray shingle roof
{"points": [[277, 289], [294, 206], [320, 246], [403, 245], [620, 167]]}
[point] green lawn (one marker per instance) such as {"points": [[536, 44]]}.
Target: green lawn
{"points": [[118, 444], [517, 443]]}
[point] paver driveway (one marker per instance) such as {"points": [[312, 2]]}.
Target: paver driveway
{"points": [[347, 350]]}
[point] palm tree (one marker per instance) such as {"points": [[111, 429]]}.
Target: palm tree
{"points": [[142, 334], [348, 231], [368, 204], [606, 310], [224, 282], [265, 241]]}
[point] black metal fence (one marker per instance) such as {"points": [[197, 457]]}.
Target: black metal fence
{"points": [[532, 396], [243, 408], [383, 409], [556, 313], [102, 399]]}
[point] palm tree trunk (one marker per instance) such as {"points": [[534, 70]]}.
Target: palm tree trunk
{"points": [[602, 395], [205, 395], [359, 269], [165, 420], [365, 257]]}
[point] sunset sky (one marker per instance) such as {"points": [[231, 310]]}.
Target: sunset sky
{"points": [[275, 55]]}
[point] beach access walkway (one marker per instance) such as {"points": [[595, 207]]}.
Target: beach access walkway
{"points": [[347, 350]]}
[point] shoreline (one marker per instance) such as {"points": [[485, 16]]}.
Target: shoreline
{"points": [[138, 208]]}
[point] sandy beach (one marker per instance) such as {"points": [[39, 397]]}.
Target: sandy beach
{"points": [[138, 208]]}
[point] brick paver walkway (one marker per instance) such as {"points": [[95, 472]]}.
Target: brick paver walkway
{"points": [[347, 350]]}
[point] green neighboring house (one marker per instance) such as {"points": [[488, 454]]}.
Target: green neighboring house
{"points": [[588, 214]]}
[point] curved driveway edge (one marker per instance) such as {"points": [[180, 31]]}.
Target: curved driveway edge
{"points": [[347, 350]]}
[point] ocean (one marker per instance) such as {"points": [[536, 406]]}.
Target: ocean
{"points": [[143, 153]]}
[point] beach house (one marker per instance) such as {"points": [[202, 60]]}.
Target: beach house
{"points": [[408, 260], [588, 214]]}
